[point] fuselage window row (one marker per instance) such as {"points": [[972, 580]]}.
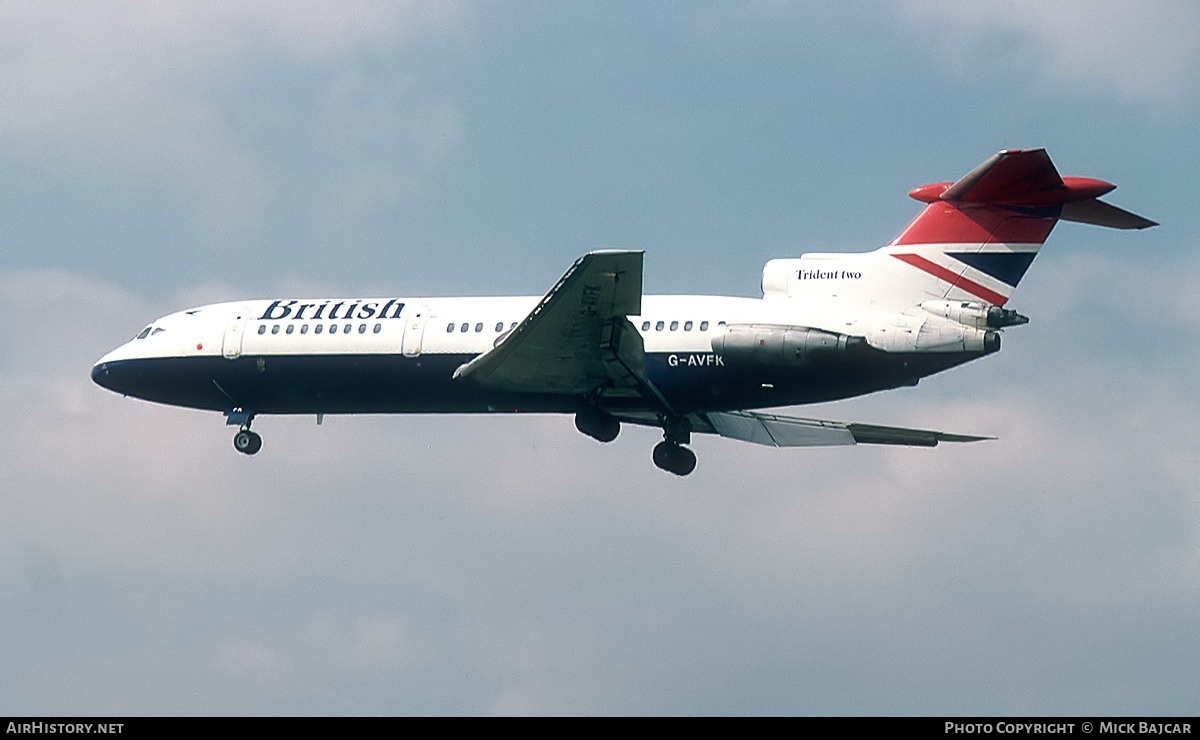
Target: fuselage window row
{"points": [[318, 328], [466, 326], [687, 325]]}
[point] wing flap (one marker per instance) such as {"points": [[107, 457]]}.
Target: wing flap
{"points": [[775, 430], [779, 431], [577, 338]]}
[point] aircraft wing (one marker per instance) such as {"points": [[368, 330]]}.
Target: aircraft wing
{"points": [[578, 339], [775, 430], [790, 431]]}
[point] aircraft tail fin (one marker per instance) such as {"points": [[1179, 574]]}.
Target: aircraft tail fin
{"points": [[979, 235], [973, 241], [1012, 197]]}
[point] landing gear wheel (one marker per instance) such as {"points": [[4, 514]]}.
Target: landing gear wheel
{"points": [[247, 442], [674, 458], [598, 425]]}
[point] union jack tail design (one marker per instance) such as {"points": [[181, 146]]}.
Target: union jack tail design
{"points": [[976, 237]]}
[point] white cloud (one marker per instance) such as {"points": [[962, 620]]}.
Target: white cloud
{"points": [[128, 98], [1143, 52]]}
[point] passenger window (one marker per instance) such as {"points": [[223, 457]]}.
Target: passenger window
{"points": [[290, 328], [362, 328], [464, 328], [513, 325], [262, 329], [479, 327], [703, 326], [659, 326], [304, 328], [645, 326], [499, 326], [378, 328], [674, 325], [687, 326], [347, 328], [317, 329]]}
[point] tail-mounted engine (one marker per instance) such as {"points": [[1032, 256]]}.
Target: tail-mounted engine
{"points": [[977, 315], [905, 333], [770, 344]]}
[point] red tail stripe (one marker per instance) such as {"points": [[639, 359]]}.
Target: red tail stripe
{"points": [[956, 280], [970, 223]]}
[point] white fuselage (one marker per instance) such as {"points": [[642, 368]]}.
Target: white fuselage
{"points": [[399, 354]]}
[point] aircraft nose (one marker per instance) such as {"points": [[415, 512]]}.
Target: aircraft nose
{"points": [[100, 374], [106, 371]]}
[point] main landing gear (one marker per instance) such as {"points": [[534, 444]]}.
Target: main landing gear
{"points": [[674, 458], [670, 454], [596, 424]]}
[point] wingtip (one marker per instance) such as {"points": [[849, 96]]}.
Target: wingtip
{"points": [[886, 435], [943, 437]]}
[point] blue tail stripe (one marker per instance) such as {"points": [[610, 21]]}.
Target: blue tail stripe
{"points": [[1007, 267]]}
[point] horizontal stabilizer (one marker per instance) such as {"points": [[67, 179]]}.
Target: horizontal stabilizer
{"points": [[1015, 178], [1099, 213]]}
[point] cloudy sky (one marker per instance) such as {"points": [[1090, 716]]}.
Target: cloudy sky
{"points": [[157, 156]]}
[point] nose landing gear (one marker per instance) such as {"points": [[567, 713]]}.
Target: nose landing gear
{"points": [[247, 442]]}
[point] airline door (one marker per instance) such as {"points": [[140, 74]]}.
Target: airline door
{"points": [[231, 344], [414, 333]]}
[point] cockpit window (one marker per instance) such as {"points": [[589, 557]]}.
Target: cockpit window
{"points": [[150, 331]]}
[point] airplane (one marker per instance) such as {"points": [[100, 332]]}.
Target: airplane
{"points": [[828, 326]]}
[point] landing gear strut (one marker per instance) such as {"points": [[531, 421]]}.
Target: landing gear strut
{"points": [[670, 454]]}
